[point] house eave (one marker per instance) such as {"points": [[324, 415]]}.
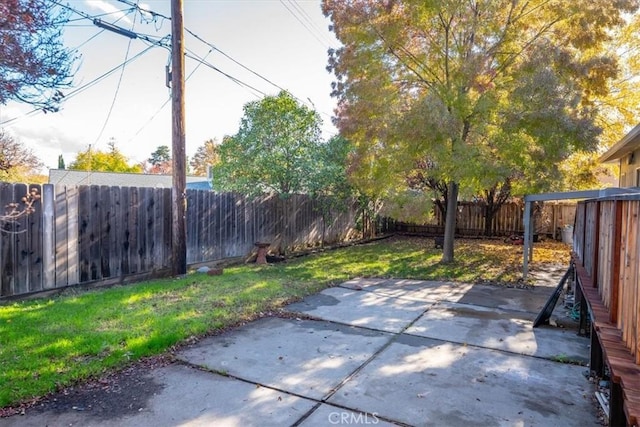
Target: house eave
{"points": [[629, 143]]}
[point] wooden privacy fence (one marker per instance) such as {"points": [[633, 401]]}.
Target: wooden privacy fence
{"points": [[606, 245], [470, 220], [606, 255], [97, 234]]}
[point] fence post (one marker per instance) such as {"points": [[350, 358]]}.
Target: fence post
{"points": [[48, 252]]}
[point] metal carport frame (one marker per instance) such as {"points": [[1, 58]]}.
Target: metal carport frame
{"points": [[569, 195]]}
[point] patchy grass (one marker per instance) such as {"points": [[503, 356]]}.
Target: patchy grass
{"points": [[416, 258], [50, 343]]}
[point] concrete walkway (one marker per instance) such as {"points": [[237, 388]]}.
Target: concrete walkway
{"points": [[373, 352]]}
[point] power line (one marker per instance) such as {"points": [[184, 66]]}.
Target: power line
{"points": [[83, 87], [313, 28], [153, 116], [102, 30], [115, 95], [92, 18], [255, 73], [66, 21], [235, 80], [188, 54], [315, 36], [163, 43]]}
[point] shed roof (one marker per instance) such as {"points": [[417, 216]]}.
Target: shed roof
{"points": [[75, 177], [629, 143]]}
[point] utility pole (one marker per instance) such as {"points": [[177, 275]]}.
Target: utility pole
{"points": [[178, 193]]}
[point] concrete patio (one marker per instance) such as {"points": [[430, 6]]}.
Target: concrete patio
{"points": [[373, 351]]}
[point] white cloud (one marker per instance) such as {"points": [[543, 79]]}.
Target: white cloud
{"points": [[108, 8]]}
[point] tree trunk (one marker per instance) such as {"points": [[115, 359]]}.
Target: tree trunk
{"points": [[488, 221], [450, 223]]}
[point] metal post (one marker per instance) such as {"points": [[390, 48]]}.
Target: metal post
{"points": [[527, 234]]}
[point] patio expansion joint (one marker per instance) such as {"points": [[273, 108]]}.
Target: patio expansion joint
{"points": [[493, 349], [394, 337], [318, 402], [504, 310]]}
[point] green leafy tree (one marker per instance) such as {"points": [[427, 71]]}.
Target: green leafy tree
{"points": [[61, 164], [17, 162], [329, 174], [160, 161], [275, 149], [34, 65], [206, 155], [104, 161], [498, 89]]}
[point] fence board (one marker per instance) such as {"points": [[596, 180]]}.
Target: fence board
{"points": [[22, 284], [191, 216], [106, 212], [116, 232], [73, 200], [605, 250], [84, 202], [61, 236], [157, 233], [7, 245], [578, 234], [167, 227], [202, 229], [125, 254], [35, 251], [95, 233], [143, 236]]}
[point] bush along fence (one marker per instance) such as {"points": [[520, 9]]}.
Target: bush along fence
{"points": [[101, 234], [470, 221]]}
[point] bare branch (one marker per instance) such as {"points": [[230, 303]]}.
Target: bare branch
{"points": [[15, 211]]}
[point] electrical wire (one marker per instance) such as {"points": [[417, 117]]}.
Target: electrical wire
{"points": [[66, 21], [327, 43], [115, 95], [322, 43], [83, 87], [210, 45], [255, 73], [91, 18], [229, 57], [153, 116], [191, 55], [163, 43], [188, 54], [100, 31]]}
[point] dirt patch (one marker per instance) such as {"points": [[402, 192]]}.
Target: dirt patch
{"points": [[113, 395]]}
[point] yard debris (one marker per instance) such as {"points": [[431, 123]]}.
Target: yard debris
{"points": [[215, 271]]}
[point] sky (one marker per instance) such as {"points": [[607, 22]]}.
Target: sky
{"points": [[284, 42]]}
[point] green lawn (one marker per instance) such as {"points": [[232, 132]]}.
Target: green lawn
{"points": [[46, 344]]}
